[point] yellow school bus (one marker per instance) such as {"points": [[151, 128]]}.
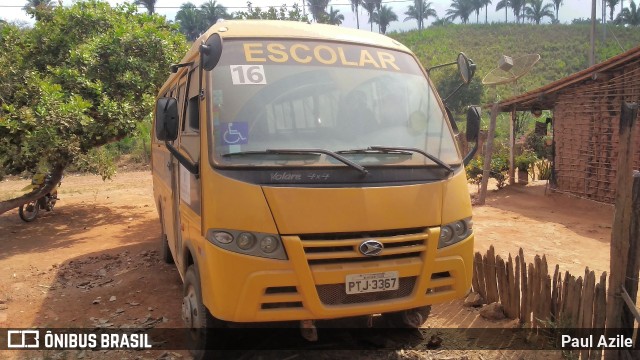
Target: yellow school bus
{"points": [[305, 172]]}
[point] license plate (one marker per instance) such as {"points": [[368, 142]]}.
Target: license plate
{"points": [[366, 283]]}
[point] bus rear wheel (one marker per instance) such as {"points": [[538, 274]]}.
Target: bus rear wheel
{"points": [[411, 318]]}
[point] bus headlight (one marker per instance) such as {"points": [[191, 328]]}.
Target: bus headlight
{"points": [[244, 242], [455, 232], [268, 244]]}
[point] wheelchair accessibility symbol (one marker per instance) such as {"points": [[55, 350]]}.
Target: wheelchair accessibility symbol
{"points": [[236, 133]]}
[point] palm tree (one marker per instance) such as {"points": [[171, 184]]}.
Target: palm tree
{"points": [[383, 17], [441, 22], [370, 6], [460, 9], [212, 12], [535, 11], [556, 5], [612, 5], [420, 11], [629, 16], [318, 9], [486, 9], [518, 8], [503, 4], [189, 18], [378, 4], [354, 8], [149, 4], [35, 8], [477, 5], [334, 17]]}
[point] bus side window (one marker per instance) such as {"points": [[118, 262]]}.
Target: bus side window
{"points": [[190, 142], [193, 103]]}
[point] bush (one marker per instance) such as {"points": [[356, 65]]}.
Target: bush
{"points": [[499, 168]]}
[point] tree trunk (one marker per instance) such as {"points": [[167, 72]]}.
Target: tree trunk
{"points": [[56, 176]]}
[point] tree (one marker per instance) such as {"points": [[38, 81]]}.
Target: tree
{"points": [[384, 17], [460, 9], [629, 16], [448, 81], [477, 5], [420, 11], [486, 10], [612, 6], [191, 21], [37, 8], [556, 6], [441, 22], [518, 8], [149, 4], [535, 11], [283, 13], [503, 4], [82, 77], [370, 6], [354, 8], [334, 17], [212, 12], [318, 8]]}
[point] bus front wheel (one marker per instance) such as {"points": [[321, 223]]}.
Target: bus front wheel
{"points": [[412, 318], [196, 316]]}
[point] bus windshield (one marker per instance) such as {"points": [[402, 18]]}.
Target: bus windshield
{"points": [[355, 101]]}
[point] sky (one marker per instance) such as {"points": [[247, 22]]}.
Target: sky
{"points": [[11, 10]]}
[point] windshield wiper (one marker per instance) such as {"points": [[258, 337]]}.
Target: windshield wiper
{"points": [[414, 150], [338, 157], [374, 151]]}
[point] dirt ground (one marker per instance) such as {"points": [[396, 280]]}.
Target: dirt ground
{"points": [[94, 262]]}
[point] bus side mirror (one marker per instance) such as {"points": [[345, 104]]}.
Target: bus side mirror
{"points": [[210, 52], [473, 131], [466, 68], [167, 119]]}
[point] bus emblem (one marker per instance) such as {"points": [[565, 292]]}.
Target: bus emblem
{"points": [[371, 248]]}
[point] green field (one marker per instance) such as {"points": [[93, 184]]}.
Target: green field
{"points": [[563, 48]]}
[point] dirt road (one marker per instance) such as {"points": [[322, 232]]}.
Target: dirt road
{"points": [[94, 262]]}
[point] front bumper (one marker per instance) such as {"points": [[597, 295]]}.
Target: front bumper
{"points": [[311, 284]]}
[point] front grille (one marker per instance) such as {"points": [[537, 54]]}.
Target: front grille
{"points": [[335, 294], [344, 247]]}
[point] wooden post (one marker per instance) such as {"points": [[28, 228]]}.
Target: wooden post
{"points": [[554, 294], [524, 305], [482, 290], [512, 147], [620, 231], [486, 170], [587, 304], [633, 267], [490, 273], [599, 311]]}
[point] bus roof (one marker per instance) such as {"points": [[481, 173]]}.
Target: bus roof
{"points": [[229, 29], [296, 29]]}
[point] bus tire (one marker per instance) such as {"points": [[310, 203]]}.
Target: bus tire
{"points": [[197, 318], [411, 318], [166, 252]]}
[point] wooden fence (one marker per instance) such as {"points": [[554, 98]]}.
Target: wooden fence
{"points": [[529, 293]]}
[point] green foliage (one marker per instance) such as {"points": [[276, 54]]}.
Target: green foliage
{"points": [[448, 81], [563, 50], [283, 13], [543, 168], [536, 143], [82, 77], [525, 160], [499, 167]]}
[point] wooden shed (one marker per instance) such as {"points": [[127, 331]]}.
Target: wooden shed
{"points": [[586, 110]]}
